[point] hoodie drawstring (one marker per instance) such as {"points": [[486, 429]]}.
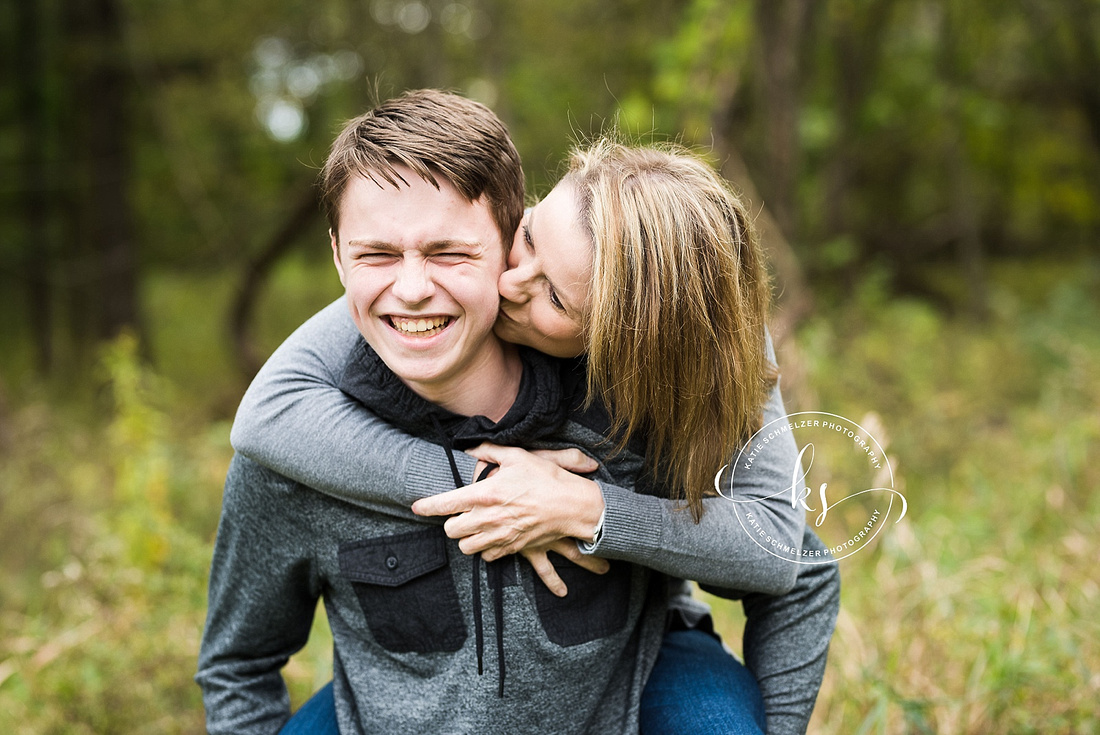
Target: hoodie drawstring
{"points": [[495, 571], [496, 582]]}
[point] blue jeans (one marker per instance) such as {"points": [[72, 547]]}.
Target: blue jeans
{"points": [[315, 717], [696, 688]]}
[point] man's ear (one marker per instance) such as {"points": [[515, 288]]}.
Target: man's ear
{"points": [[336, 256]]}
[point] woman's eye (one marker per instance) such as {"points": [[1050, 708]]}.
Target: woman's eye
{"points": [[555, 301], [527, 238]]}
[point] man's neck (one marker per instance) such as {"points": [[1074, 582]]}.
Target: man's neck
{"points": [[488, 387]]}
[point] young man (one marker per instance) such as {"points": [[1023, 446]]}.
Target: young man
{"points": [[420, 250], [419, 220]]}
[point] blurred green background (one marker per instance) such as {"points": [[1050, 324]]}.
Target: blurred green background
{"points": [[925, 175]]}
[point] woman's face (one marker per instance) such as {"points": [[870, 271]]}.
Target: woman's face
{"points": [[544, 291]]}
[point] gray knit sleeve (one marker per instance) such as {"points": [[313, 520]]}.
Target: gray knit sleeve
{"points": [[294, 420], [787, 641]]}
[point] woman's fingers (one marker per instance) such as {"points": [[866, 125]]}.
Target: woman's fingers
{"points": [[546, 571], [474, 537], [516, 508], [573, 460], [568, 548], [459, 527], [480, 467], [474, 544], [489, 453], [540, 562]]}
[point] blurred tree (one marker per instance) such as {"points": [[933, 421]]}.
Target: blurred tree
{"points": [[256, 271], [1069, 36], [781, 26], [854, 32], [700, 76], [924, 142], [99, 169], [37, 250]]}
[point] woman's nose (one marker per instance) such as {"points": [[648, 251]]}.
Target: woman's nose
{"points": [[514, 283]]}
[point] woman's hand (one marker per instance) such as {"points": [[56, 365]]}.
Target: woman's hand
{"points": [[531, 502]]}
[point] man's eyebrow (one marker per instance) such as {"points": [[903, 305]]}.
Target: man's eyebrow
{"points": [[437, 245], [374, 245]]}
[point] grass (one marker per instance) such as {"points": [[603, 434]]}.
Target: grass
{"points": [[974, 615]]}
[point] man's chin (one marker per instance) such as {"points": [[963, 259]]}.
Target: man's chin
{"points": [[415, 372]]}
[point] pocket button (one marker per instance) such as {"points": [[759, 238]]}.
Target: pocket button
{"points": [[391, 562]]}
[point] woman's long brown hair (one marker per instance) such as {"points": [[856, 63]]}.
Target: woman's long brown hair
{"points": [[679, 301]]}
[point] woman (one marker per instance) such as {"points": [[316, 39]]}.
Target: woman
{"points": [[605, 249], [644, 260]]}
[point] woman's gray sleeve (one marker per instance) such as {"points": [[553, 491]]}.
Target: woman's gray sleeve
{"points": [[294, 420], [786, 642]]}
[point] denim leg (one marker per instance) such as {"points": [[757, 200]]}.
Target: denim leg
{"points": [[697, 687], [315, 717]]}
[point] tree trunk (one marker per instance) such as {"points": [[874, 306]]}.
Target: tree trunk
{"points": [[793, 296], [37, 253], [780, 23], [1083, 27], [1066, 36], [101, 84], [857, 43], [964, 201], [794, 300], [256, 273]]}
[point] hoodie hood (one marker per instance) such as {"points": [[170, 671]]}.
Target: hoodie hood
{"points": [[539, 410]]}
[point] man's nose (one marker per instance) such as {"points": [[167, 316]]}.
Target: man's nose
{"points": [[413, 282]]}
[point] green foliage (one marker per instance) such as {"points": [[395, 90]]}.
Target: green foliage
{"points": [[905, 129], [109, 511], [104, 609], [687, 80], [188, 341]]}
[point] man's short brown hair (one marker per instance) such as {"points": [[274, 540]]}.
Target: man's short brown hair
{"points": [[434, 133]]}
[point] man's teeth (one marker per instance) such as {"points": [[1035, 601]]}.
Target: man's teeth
{"points": [[415, 326]]}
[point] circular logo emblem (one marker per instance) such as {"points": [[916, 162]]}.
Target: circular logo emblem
{"points": [[830, 467]]}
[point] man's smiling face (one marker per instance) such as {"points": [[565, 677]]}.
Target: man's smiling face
{"points": [[420, 266]]}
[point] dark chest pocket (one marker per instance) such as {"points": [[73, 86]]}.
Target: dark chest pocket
{"points": [[406, 590], [596, 606]]}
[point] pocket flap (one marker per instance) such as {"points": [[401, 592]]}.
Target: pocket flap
{"points": [[390, 561]]}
